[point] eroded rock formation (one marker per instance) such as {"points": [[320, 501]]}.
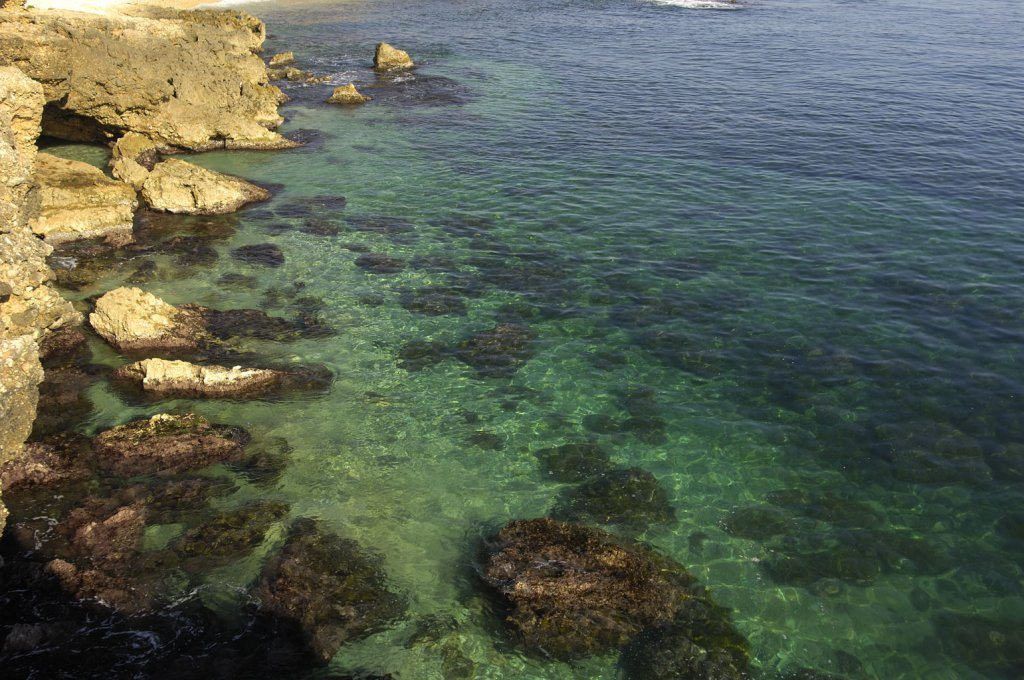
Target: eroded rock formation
{"points": [[132, 319], [388, 58], [177, 186], [189, 80], [347, 94]]}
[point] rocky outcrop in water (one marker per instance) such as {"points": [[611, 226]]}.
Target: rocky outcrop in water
{"points": [[132, 157], [388, 58], [161, 376], [132, 319], [346, 95], [188, 80], [78, 201], [573, 591], [177, 186]]}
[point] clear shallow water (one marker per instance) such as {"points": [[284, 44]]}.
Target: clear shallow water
{"points": [[798, 228]]}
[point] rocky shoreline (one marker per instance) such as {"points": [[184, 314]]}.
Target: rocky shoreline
{"points": [[150, 83]]}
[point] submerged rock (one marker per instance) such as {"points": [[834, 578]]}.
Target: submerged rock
{"points": [[228, 536], [434, 301], [52, 461], [347, 95], [132, 319], [388, 58], [167, 444], [499, 351], [416, 355], [757, 522], [378, 263], [574, 462], [177, 186], [77, 201], [631, 497], [265, 254], [329, 587], [574, 591]]}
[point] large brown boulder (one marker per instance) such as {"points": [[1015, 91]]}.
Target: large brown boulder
{"points": [[191, 80], [177, 186], [574, 591], [132, 319], [388, 58], [78, 201]]}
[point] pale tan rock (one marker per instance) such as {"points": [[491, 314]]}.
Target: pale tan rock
{"points": [[182, 377], [388, 58], [132, 157], [191, 80], [347, 94], [177, 186], [77, 201], [20, 375], [132, 319], [21, 109], [282, 59]]}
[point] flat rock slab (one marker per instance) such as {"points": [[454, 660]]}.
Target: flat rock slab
{"points": [[162, 376], [78, 201], [177, 186]]}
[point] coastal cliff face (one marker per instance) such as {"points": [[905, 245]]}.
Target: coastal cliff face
{"points": [[29, 307], [187, 80]]}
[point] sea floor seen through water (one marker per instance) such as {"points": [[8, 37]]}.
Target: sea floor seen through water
{"points": [[772, 257]]}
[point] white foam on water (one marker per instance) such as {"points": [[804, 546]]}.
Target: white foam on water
{"points": [[700, 4]]}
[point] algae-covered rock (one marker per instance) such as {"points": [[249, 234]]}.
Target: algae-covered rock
{"points": [[574, 462], [631, 497], [167, 444], [264, 254], [757, 522], [499, 351], [132, 319], [329, 587], [77, 201], [388, 58], [347, 95], [228, 536], [177, 186], [574, 591]]}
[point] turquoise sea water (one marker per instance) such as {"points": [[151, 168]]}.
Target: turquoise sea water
{"points": [[787, 241]]}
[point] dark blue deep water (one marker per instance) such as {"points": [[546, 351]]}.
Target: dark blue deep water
{"points": [[773, 256]]}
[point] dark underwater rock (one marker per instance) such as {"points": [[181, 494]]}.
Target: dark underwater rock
{"points": [[700, 644], [255, 323], [378, 263], [236, 280], [601, 423], [757, 522], [433, 301], [54, 460], [991, 646], [631, 497], [190, 250], [416, 355], [167, 444], [573, 591], [827, 507], [228, 536], [574, 462], [263, 254], [488, 441], [379, 224], [329, 586], [499, 351]]}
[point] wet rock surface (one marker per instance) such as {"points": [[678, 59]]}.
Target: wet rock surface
{"points": [[228, 536], [631, 497], [328, 586], [573, 591]]}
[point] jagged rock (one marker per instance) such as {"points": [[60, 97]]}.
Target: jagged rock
{"points": [[28, 304], [177, 186], [167, 444], [191, 80], [329, 587], [575, 591], [132, 319], [77, 201], [182, 378], [282, 59], [388, 58], [347, 94], [21, 108], [20, 375], [54, 460], [132, 158]]}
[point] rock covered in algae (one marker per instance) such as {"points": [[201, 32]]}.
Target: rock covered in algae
{"points": [[167, 444], [347, 95], [631, 497], [575, 591], [574, 462], [228, 536], [328, 586], [388, 58], [499, 351]]}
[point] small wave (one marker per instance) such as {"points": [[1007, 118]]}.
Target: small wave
{"points": [[700, 4]]}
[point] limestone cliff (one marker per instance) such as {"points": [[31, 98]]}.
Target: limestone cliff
{"points": [[29, 307], [187, 80]]}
